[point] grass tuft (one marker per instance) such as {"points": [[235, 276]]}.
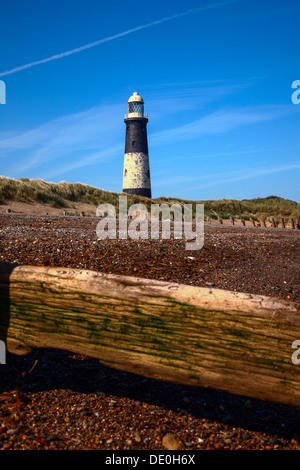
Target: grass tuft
{"points": [[66, 194]]}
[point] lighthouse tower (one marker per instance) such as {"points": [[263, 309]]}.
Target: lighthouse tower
{"points": [[136, 175]]}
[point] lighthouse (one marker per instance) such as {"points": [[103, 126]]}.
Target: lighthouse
{"points": [[136, 174]]}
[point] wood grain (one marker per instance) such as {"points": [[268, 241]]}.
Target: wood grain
{"points": [[238, 342]]}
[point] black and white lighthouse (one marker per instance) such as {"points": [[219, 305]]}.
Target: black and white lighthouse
{"points": [[136, 176]]}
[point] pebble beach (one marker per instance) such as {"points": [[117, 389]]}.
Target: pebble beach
{"points": [[58, 400]]}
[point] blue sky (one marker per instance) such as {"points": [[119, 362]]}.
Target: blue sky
{"points": [[216, 78]]}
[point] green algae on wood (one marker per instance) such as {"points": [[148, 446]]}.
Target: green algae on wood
{"points": [[237, 342]]}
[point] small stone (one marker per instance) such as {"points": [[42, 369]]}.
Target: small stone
{"points": [[171, 442], [109, 441], [245, 437], [225, 436], [51, 438], [273, 440], [296, 440], [188, 444], [129, 442], [18, 395], [137, 437], [12, 431]]}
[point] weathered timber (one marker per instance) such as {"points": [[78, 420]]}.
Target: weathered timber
{"points": [[238, 342], [263, 223]]}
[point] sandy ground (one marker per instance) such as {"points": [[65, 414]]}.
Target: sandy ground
{"points": [[43, 209]]}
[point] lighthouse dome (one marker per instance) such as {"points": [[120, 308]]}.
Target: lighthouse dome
{"points": [[136, 98]]}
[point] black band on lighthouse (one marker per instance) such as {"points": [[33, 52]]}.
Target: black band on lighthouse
{"points": [[145, 192], [136, 135]]}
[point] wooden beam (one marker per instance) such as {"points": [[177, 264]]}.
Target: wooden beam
{"points": [[238, 342]]}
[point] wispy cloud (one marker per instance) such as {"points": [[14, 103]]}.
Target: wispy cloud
{"points": [[86, 161], [81, 139], [217, 179], [181, 97], [219, 154], [210, 6], [86, 136], [220, 122], [249, 173], [74, 140]]}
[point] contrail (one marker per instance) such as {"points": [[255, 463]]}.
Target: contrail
{"points": [[116, 36]]}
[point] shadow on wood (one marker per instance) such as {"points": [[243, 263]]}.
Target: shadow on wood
{"points": [[5, 271]]}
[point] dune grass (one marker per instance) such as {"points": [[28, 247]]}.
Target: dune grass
{"points": [[64, 194]]}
